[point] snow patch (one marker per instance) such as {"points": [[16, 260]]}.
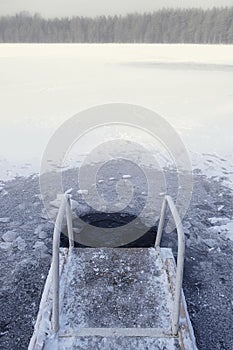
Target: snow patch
{"points": [[224, 228], [126, 177]]}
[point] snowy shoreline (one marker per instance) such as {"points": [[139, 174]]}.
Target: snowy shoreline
{"points": [[26, 238]]}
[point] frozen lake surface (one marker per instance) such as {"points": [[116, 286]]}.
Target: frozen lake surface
{"points": [[191, 86], [41, 86]]}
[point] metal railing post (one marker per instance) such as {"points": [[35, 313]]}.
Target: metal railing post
{"points": [[64, 209], [69, 222], [180, 256], [179, 281], [161, 223], [180, 264]]}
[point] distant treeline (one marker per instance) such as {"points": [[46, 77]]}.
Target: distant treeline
{"points": [[210, 26]]}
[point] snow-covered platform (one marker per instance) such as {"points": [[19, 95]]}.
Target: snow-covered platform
{"points": [[114, 298]]}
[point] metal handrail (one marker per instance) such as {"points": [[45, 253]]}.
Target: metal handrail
{"points": [[180, 256], [64, 210]]}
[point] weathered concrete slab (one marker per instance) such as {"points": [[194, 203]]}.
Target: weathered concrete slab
{"points": [[114, 299], [115, 288]]}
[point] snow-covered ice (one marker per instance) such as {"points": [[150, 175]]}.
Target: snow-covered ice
{"points": [[57, 82], [223, 226], [126, 177], [83, 192]]}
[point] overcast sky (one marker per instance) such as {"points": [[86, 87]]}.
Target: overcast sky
{"points": [[51, 8]]}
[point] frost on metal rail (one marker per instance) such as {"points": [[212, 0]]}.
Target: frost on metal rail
{"points": [[114, 298]]}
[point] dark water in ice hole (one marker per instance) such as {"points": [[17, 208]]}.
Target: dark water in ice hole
{"points": [[112, 220]]}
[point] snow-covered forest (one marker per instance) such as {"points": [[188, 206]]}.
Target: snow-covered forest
{"points": [[211, 26]]}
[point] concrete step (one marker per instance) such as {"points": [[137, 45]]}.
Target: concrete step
{"points": [[114, 298], [117, 343], [115, 287]]}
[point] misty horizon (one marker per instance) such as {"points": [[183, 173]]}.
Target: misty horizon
{"points": [[70, 8], [39, 14]]}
